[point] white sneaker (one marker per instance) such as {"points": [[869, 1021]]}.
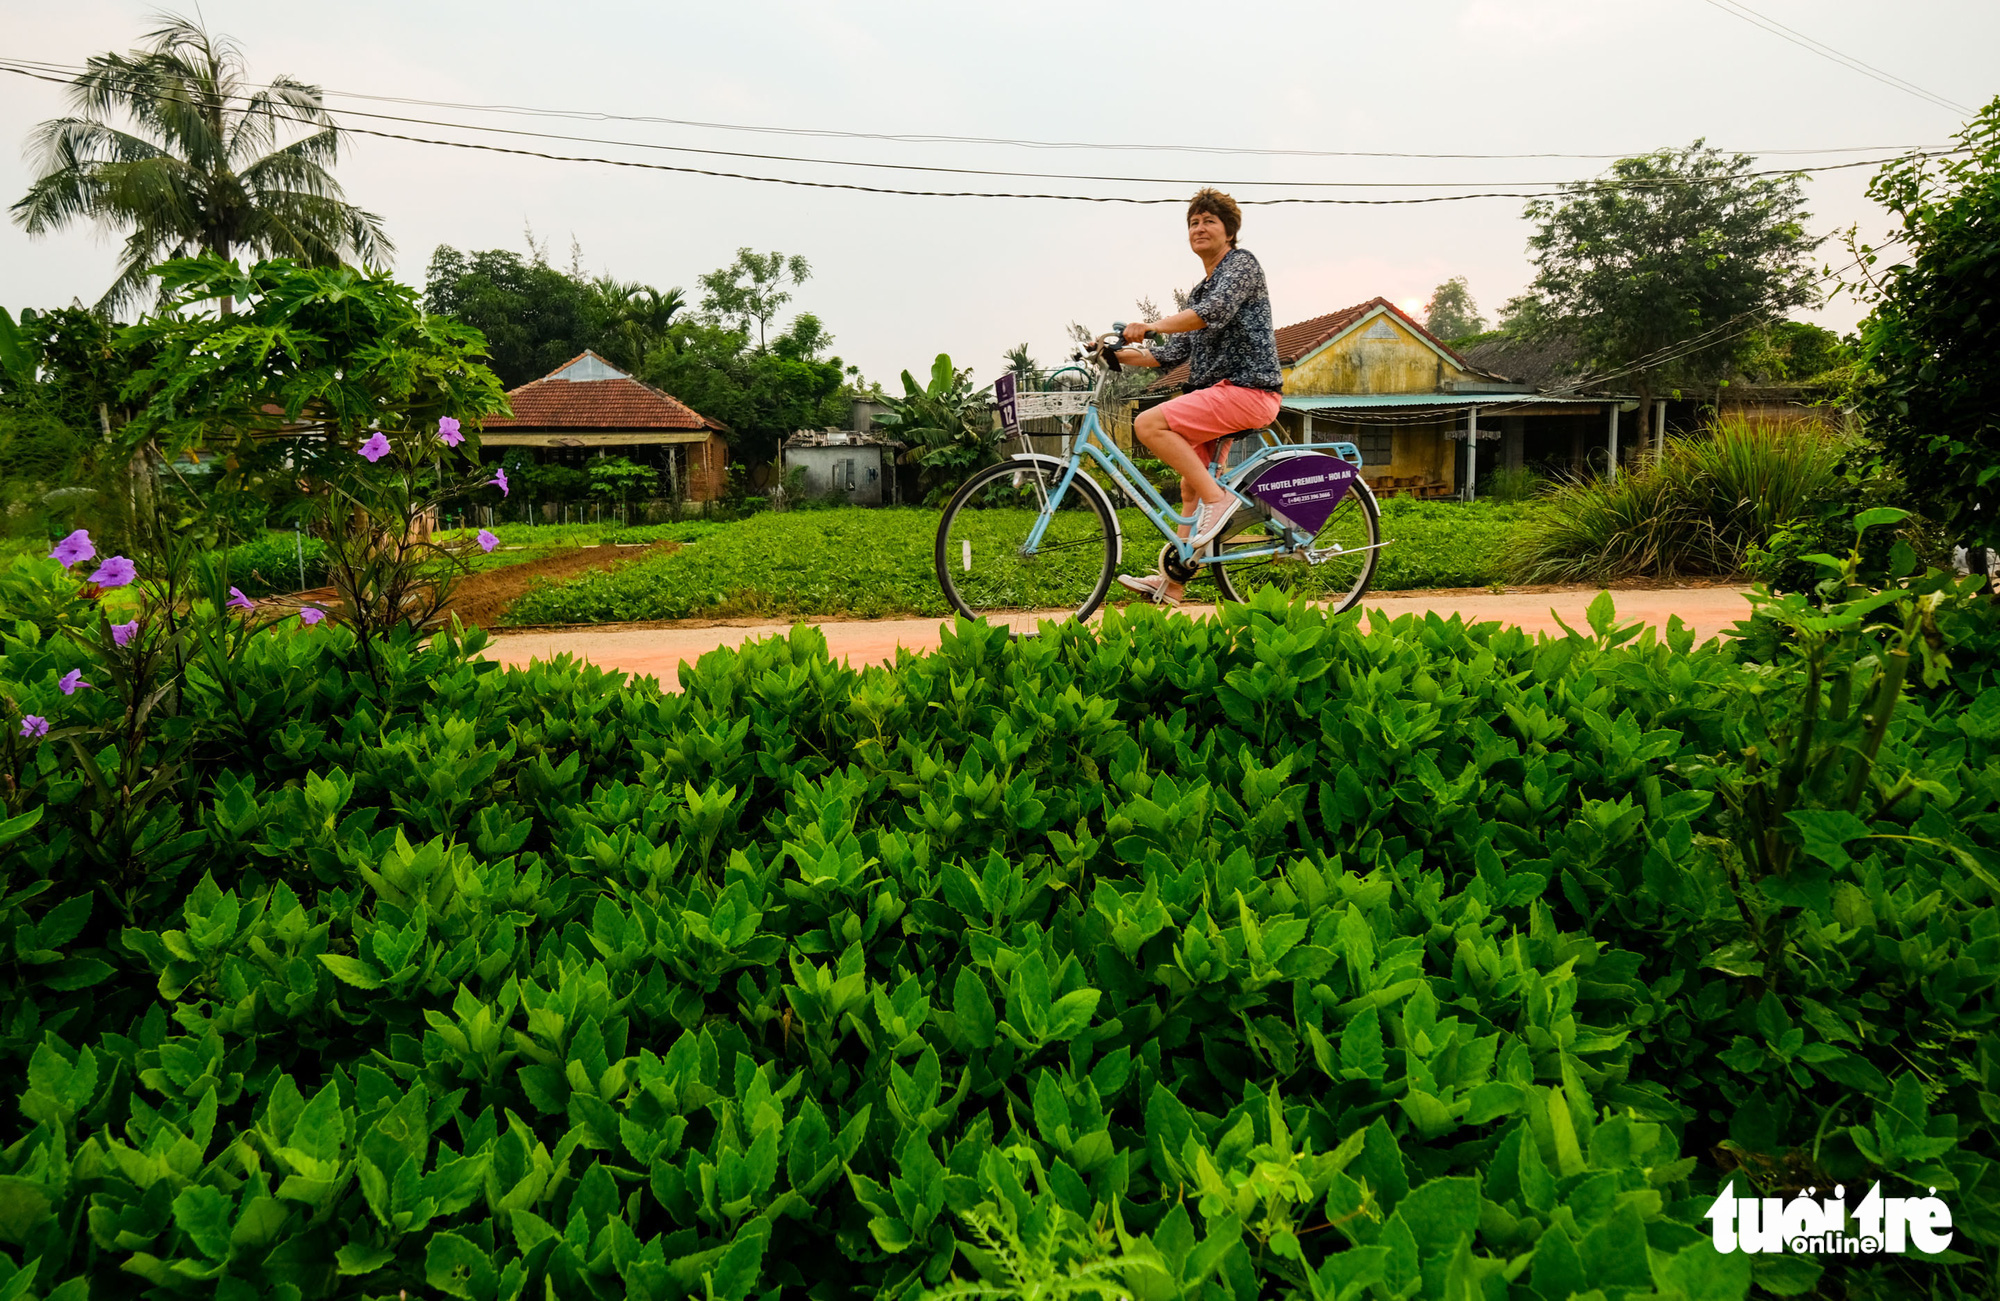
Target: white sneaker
{"points": [[1153, 587], [1210, 518]]}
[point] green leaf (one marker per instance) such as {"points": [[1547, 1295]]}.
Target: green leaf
{"points": [[1602, 614], [78, 973], [1439, 1212], [322, 1127], [1701, 1273], [203, 1214], [736, 1273], [972, 1006], [19, 825], [1614, 1253], [1827, 832], [1071, 1014], [457, 1268], [1558, 1270], [361, 1258], [1361, 1048], [360, 974], [1877, 516], [62, 923]]}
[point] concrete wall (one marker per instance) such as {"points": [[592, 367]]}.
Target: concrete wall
{"points": [[1359, 363], [1415, 450], [828, 469]]}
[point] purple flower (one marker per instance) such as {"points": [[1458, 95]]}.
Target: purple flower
{"points": [[122, 632], [311, 615], [448, 430], [487, 541], [74, 549], [238, 601], [500, 478], [375, 448], [34, 725], [70, 681], [116, 571]]}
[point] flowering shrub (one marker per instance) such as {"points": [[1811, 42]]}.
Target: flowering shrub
{"points": [[372, 396]]}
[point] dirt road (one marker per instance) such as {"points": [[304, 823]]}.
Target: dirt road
{"points": [[657, 650]]}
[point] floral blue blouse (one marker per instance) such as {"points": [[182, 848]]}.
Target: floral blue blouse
{"points": [[1237, 343]]}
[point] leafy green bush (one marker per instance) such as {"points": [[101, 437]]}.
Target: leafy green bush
{"points": [[1512, 484], [1698, 510], [1253, 957], [272, 563]]}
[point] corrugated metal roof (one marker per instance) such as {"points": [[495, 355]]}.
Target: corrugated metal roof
{"points": [[1346, 401]]}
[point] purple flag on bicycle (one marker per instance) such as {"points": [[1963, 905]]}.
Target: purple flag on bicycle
{"points": [[1003, 397], [1303, 489]]}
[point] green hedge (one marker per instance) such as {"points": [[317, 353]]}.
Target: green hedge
{"points": [[877, 563], [1222, 959]]}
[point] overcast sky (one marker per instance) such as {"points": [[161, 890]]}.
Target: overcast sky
{"points": [[899, 279]]}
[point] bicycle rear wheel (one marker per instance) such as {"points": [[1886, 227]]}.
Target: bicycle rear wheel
{"points": [[1339, 579], [984, 563]]}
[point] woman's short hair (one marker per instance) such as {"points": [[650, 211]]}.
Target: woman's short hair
{"points": [[1220, 206]]}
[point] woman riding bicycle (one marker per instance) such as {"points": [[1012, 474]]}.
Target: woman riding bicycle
{"points": [[1234, 383]]}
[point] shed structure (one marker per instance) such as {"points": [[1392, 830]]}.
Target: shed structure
{"points": [[587, 408], [835, 461]]}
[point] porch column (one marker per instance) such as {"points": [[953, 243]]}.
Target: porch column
{"points": [[1471, 452], [1611, 445]]}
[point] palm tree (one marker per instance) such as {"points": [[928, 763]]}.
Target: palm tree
{"points": [[1023, 366], [636, 315], [201, 169]]}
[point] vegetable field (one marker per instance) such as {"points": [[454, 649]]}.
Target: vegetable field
{"points": [[1247, 958], [877, 563]]}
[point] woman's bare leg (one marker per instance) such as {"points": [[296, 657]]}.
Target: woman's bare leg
{"points": [[1152, 430]]}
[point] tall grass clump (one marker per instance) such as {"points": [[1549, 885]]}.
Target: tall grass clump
{"points": [[1699, 509]]}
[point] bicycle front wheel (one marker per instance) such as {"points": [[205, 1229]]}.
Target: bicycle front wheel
{"points": [[988, 566], [1345, 547]]}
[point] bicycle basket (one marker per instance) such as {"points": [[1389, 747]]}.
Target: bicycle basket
{"points": [[1038, 406]]}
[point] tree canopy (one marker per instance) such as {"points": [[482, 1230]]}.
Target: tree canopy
{"points": [[751, 290], [1931, 394], [176, 148], [1661, 269], [536, 317], [1451, 313]]}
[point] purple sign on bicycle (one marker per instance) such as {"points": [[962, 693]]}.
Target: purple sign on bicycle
{"points": [[1003, 397], [1303, 489]]}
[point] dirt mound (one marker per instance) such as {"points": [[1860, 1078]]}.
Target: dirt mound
{"points": [[480, 599]]}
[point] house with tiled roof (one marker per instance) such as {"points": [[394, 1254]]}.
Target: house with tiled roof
{"points": [[587, 408], [1371, 375]]}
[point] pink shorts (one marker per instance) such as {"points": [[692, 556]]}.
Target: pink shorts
{"points": [[1220, 409]]}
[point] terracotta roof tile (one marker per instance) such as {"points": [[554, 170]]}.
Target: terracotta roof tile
{"points": [[1296, 341], [621, 403]]}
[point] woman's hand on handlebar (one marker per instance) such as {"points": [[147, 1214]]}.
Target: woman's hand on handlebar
{"points": [[1137, 331]]}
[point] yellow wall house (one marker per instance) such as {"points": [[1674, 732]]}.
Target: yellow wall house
{"points": [[1372, 376]]}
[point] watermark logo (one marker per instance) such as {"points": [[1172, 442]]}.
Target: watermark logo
{"points": [[1806, 1226]]}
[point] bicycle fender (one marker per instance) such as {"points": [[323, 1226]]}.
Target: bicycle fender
{"points": [[1057, 463]]}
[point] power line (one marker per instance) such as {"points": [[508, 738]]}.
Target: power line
{"points": [[1594, 183], [1737, 9], [70, 70]]}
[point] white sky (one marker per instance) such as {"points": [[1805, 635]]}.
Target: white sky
{"points": [[900, 279]]}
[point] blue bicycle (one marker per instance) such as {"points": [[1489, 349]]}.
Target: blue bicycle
{"points": [[1037, 537]]}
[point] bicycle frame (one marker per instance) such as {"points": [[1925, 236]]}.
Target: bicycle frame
{"points": [[1090, 440]]}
